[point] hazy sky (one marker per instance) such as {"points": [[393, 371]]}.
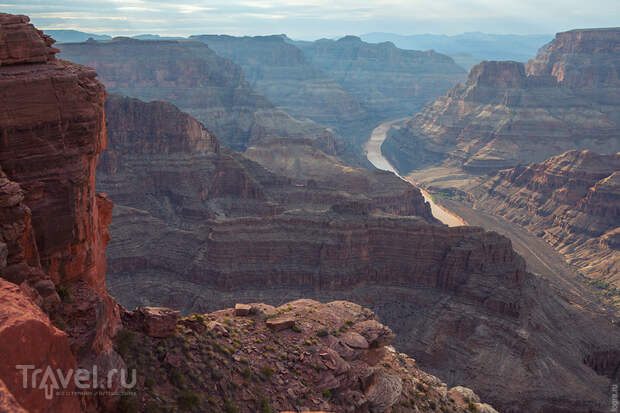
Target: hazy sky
{"points": [[310, 19]]}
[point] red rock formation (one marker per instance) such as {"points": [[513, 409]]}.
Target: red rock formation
{"points": [[571, 200], [8, 403], [27, 338], [52, 129], [21, 43], [502, 117]]}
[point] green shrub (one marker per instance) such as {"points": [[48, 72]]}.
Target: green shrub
{"points": [[246, 373], [322, 332], [149, 382], [64, 293], [188, 400], [267, 372], [472, 407], [229, 407], [176, 378], [296, 329], [327, 393], [264, 406], [124, 341]]}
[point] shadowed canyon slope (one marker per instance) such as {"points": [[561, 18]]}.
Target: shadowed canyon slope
{"points": [[190, 75], [459, 299], [571, 200], [506, 113]]}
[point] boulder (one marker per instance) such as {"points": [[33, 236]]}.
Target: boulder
{"points": [[158, 322], [279, 324], [242, 310], [375, 333]]}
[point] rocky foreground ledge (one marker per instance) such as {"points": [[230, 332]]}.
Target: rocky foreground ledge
{"points": [[301, 356]]}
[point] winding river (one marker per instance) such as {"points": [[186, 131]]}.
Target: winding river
{"points": [[375, 156]]}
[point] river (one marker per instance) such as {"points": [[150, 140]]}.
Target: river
{"points": [[375, 156]]}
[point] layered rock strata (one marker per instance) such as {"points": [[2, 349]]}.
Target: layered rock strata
{"points": [[507, 113], [441, 289], [189, 74], [54, 230], [280, 71], [387, 81], [571, 200]]}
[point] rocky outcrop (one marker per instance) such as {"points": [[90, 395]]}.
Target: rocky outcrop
{"points": [[307, 365], [571, 200], [29, 341], [21, 43], [506, 114], [387, 81], [155, 322], [581, 59], [187, 73], [54, 225], [280, 71]]}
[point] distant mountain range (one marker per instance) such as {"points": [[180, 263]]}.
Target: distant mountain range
{"points": [[74, 36], [466, 49], [469, 48]]}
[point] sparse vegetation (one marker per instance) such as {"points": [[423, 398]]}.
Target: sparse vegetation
{"points": [[267, 372], [65, 294], [265, 407], [229, 407], [188, 400], [322, 333], [124, 340]]}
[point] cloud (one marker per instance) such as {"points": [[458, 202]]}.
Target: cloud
{"points": [[317, 18]]}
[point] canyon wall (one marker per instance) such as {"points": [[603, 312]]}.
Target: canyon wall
{"points": [[506, 114], [54, 229], [388, 82], [571, 200], [281, 72], [459, 299], [189, 74]]}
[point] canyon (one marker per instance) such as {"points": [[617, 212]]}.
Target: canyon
{"points": [[202, 228], [507, 113], [440, 289]]}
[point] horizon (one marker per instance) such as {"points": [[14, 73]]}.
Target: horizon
{"points": [[315, 19]]}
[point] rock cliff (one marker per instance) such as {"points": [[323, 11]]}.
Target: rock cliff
{"points": [[387, 81], [506, 114], [280, 71], [350, 234], [54, 226], [571, 200], [189, 74]]}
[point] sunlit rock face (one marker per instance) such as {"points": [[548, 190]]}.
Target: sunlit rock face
{"points": [[507, 113]]}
